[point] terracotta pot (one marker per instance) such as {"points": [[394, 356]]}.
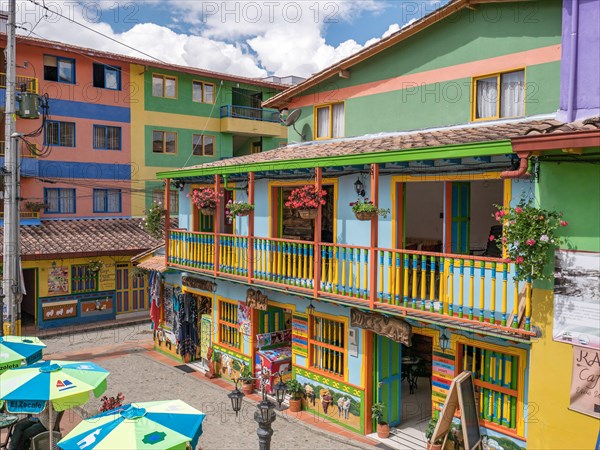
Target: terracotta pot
{"points": [[308, 214], [383, 430], [247, 388], [366, 215], [187, 358], [431, 446], [295, 405], [208, 211]]}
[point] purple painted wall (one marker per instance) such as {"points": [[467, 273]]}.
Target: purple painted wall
{"points": [[586, 101]]}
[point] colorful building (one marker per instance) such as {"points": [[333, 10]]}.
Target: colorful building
{"points": [[111, 122], [425, 123]]}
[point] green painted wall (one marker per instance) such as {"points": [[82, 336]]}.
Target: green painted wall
{"points": [[490, 31], [223, 148], [574, 189]]}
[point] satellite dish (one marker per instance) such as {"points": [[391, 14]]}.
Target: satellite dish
{"points": [[291, 119]]}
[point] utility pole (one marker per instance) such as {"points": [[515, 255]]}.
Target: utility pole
{"points": [[11, 280]]}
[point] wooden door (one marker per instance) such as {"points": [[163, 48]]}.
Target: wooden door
{"points": [[389, 378]]}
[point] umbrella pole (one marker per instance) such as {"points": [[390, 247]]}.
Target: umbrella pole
{"points": [[50, 424]]}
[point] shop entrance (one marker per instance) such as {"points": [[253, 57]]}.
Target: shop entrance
{"points": [[416, 381], [388, 379], [204, 308], [28, 304]]}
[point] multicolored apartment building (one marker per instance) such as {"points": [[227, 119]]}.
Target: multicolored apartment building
{"points": [[439, 123], [112, 121]]}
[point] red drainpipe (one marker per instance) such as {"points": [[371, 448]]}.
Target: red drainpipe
{"points": [[521, 172]]}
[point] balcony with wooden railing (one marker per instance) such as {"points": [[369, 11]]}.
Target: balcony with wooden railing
{"points": [[23, 83], [432, 286]]}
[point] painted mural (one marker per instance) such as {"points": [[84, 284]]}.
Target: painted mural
{"points": [[229, 364], [58, 280], [339, 402]]}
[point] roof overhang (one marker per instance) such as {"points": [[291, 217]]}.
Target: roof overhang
{"points": [[555, 141], [474, 149]]}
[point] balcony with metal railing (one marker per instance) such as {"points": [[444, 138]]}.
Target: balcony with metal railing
{"points": [[248, 121], [23, 83]]}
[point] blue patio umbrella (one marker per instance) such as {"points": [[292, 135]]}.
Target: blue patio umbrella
{"points": [[165, 425], [16, 350]]}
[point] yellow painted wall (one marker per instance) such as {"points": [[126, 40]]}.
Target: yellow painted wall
{"points": [[551, 424]]}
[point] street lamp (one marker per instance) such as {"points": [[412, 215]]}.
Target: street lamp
{"points": [[444, 341], [359, 187], [265, 414]]}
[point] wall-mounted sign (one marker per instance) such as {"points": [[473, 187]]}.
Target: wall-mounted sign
{"points": [[585, 381], [577, 299], [196, 283], [396, 329], [58, 280], [59, 310], [256, 299]]}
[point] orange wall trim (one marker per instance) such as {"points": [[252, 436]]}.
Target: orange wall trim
{"points": [[533, 57]]}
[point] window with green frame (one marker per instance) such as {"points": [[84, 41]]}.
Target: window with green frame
{"points": [[496, 379], [83, 279]]}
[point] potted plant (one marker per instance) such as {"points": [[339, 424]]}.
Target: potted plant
{"points": [[528, 234], [306, 200], [437, 444], [247, 381], [383, 428], [295, 389], [366, 210], [238, 209], [95, 266], [152, 223], [109, 403], [34, 206], [206, 200]]}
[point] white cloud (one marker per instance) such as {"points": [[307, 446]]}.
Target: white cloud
{"points": [[246, 38]]}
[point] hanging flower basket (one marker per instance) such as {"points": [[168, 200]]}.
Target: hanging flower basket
{"points": [[238, 209], [366, 215], [306, 200], [243, 213], [208, 211], [308, 214]]}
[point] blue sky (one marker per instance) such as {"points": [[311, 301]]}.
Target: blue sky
{"points": [[244, 37]]}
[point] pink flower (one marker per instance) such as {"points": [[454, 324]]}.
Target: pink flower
{"points": [[518, 210], [492, 237], [504, 240], [544, 238], [520, 260], [564, 223], [530, 242]]}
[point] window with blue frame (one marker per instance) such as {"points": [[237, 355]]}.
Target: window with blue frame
{"points": [[59, 69], [107, 200], [83, 279], [107, 77], [59, 201], [107, 138], [59, 133]]}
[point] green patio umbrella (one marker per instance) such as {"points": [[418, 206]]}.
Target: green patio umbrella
{"points": [[165, 425], [60, 384], [16, 350]]}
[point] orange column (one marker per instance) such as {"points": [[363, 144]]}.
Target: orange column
{"points": [[167, 217], [368, 381], [374, 236], [318, 224], [217, 223], [250, 252]]}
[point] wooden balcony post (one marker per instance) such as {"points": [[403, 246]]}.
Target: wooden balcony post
{"points": [[217, 224], [317, 243], [374, 236], [250, 253], [167, 218]]}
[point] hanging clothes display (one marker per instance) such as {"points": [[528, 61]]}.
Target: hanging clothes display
{"points": [[187, 332], [155, 301]]}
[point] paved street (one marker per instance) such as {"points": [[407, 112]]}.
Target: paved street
{"points": [[143, 375]]}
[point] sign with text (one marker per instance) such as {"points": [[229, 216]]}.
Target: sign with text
{"points": [[577, 299], [585, 382], [196, 283], [257, 300]]}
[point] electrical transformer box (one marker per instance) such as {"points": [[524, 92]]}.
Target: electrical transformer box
{"points": [[29, 105]]}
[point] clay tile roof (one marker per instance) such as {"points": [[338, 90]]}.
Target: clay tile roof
{"points": [[396, 141], [84, 236], [554, 126], [154, 263]]}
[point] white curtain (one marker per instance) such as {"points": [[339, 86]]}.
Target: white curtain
{"points": [[114, 200], [111, 78], [338, 120], [52, 201], [512, 97], [323, 122], [487, 96], [99, 195], [67, 201], [99, 137]]}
